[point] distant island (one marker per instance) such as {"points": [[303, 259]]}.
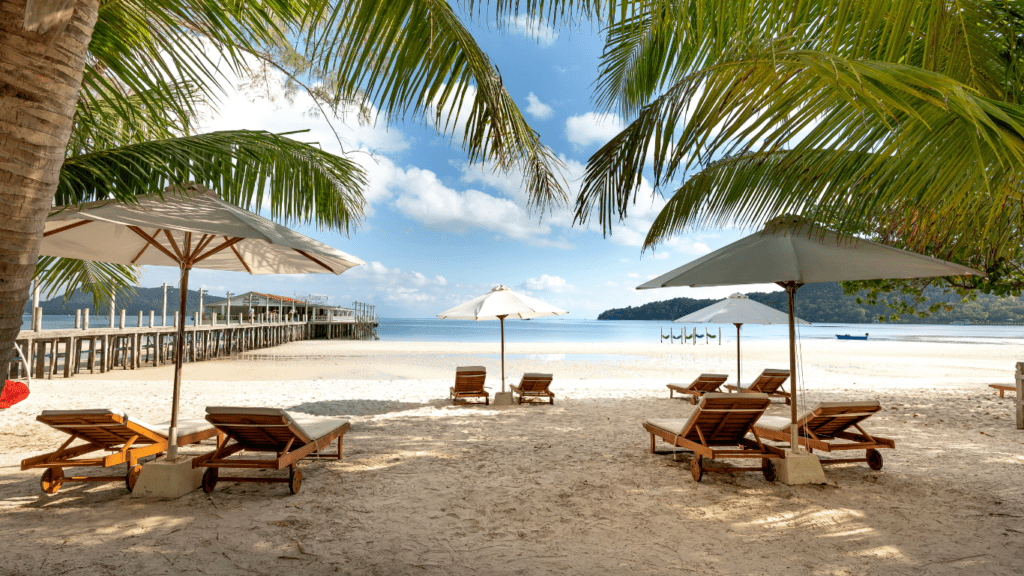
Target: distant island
{"points": [[826, 303], [144, 300]]}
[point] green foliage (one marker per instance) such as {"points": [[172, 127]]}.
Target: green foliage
{"points": [[139, 300], [100, 280], [833, 303], [850, 112]]}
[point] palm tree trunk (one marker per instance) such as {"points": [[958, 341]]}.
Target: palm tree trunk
{"points": [[40, 76]]}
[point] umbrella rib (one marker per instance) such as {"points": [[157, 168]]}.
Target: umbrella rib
{"points": [[174, 244], [152, 240], [239, 256], [226, 244], [203, 243], [68, 227], [315, 260], [141, 252]]}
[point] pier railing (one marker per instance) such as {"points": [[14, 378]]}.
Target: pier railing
{"points": [[114, 344]]}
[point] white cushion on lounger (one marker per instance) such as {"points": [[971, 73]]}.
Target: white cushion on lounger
{"points": [[773, 422], [671, 426], [317, 428], [186, 426], [314, 428]]}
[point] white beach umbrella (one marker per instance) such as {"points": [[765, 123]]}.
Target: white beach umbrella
{"points": [[498, 304], [792, 251], [739, 310], [186, 230]]}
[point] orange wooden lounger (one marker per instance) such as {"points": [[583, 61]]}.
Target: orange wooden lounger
{"points": [[534, 385], [769, 382], [1003, 389], [469, 383], [128, 439], [825, 427], [702, 385], [717, 428], [266, 430]]}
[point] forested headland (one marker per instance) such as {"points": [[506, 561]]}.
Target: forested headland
{"points": [[826, 302]]}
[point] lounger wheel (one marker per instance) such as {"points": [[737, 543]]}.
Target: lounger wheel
{"points": [[874, 459], [295, 480], [209, 480], [768, 469], [695, 469], [132, 477], [52, 480]]}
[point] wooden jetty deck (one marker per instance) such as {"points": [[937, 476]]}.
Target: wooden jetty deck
{"points": [[71, 351]]}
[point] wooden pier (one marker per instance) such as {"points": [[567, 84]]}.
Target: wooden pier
{"points": [[71, 351]]}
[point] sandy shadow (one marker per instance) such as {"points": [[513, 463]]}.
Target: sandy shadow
{"points": [[358, 407]]}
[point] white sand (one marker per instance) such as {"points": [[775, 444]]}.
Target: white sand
{"points": [[566, 489]]}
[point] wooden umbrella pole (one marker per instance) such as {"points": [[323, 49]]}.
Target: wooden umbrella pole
{"points": [[739, 384], [502, 318], [179, 350], [791, 288]]}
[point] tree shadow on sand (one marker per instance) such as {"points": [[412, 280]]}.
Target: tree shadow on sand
{"points": [[359, 407]]}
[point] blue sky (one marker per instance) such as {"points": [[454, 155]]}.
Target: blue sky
{"points": [[439, 231]]}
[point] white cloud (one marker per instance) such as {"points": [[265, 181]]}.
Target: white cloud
{"points": [[538, 109], [660, 256], [688, 246], [424, 198], [534, 29], [633, 275], [593, 128], [545, 283], [399, 286]]}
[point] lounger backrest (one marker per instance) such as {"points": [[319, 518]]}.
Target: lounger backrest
{"points": [[724, 419], [103, 427], [827, 419], [535, 382], [709, 382], [258, 429], [769, 381], [470, 378]]}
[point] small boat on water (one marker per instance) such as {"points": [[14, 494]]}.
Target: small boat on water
{"points": [[848, 337]]}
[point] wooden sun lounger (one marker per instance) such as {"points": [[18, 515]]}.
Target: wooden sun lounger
{"points": [[128, 439], [1003, 389], [266, 430], [825, 427], [717, 428], [769, 382], [704, 384], [533, 388], [469, 383]]}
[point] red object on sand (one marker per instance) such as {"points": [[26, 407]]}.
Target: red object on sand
{"points": [[13, 393]]}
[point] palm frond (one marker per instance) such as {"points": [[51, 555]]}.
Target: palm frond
{"points": [[296, 181], [416, 57], [930, 135], [104, 281]]}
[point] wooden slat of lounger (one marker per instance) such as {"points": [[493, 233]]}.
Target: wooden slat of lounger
{"points": [[467, 383], [826, 422], [106, 430], [535, 385], [258, 432], [724, 421]]}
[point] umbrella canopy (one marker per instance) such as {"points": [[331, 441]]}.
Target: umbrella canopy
{"points": [[498, 304], [792, 251], [187, 230], [153, 232], [739, 310]]}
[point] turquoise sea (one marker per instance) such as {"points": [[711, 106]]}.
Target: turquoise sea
{"points": [[570, 330]]}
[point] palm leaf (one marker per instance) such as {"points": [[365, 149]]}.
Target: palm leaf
{"points": [[416, 57], [104, 281], [295, 181]]}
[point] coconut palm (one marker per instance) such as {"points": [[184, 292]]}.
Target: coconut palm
{"points": [[867, 114], [408, 57]]}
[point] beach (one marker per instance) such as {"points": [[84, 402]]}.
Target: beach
{"points": [[429, 488]]}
